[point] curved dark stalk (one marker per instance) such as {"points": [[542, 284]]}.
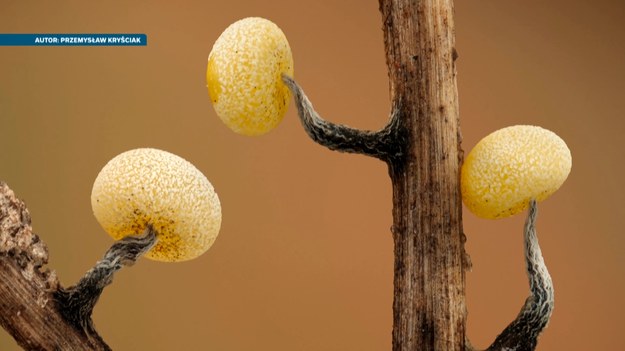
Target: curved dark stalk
{"points": [[77, 302], [522, 334], [385, 144]]}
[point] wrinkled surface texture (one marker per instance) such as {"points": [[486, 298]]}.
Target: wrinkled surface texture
{"points": [[243, 76], [511, 166], [150, 186]]}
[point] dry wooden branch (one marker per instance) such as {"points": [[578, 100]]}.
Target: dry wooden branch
{"points": [[34, 308], [421, 145]]}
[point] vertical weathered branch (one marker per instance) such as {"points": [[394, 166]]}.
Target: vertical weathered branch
{"points": [[421, 145], [429, 301]]}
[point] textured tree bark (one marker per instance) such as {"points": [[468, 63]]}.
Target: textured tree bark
{"points": [[28, 308], [429, 302], [30, 314], [34, 308], [421, 145]]}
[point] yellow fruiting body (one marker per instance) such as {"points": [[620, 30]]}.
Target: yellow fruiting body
{"points": [[511, 166], [150, 186], [244, 76]]}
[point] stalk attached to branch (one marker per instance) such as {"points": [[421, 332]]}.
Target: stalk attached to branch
{"points": [[77, 302], [385, 144], [522, 334]]}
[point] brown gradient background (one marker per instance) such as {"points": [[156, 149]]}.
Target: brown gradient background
{"points": [[304, 258]]}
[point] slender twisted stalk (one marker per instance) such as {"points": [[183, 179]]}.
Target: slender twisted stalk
{"points": [[385, 144], [522, 334], [77, 302]]}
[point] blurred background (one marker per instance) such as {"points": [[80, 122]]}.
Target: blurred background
{"points": [[304, 258]]}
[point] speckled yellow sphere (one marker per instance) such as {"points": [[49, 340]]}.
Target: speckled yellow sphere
{"points": [[244, 76], [511, 166], [150, 186]]}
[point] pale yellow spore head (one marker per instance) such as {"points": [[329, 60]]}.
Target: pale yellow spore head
{"points": [[150, 186], [244, 76], [511, 166]]}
